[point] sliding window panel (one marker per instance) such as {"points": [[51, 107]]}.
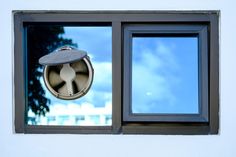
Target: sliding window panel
{"points": [[165, 73]]}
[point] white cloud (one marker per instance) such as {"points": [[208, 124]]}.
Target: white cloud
{"points": [[95, 40], [151, 83], [166, 54], [102, 75]]}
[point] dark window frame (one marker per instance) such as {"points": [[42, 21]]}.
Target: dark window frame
{"points": [[163, 30], [21, 20], [119, 19]]}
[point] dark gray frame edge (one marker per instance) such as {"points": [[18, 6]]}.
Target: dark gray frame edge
{"points": [[117, 18], [18, 86], [214, 74], [122, 16]]}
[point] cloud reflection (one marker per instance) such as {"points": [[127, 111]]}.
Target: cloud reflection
{"points": [[160, 70]]}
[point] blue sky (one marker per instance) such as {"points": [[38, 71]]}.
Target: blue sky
{"points": [[165, 72]]}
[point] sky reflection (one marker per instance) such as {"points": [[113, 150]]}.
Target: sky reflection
{"points": [[165, 75]]}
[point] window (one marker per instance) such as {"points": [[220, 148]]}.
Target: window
{"points": [[43, 106], [164, 74], [154, 72]]}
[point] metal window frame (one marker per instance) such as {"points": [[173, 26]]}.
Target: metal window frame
{"points": [[20, 71], [207, 122], [162, 30], [118, 20]]}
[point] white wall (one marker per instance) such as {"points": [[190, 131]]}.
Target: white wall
{"points": [[20, 145]]}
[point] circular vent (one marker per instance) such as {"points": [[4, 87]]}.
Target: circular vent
{"points": [[70, 80]]}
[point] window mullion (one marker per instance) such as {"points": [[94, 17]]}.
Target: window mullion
{"points": [[116, 76]]}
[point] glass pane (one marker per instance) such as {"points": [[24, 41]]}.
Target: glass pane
{"points": [[165, 75], [94, 108]]}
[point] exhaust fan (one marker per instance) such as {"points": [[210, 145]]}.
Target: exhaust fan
{"points": [[68, 72]]}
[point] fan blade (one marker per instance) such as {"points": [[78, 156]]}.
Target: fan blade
{"points": [[80, 81], [63, 90], [57, 87], [57, 68], [75, 88], [82, 73], [79, 66], [54, 78]]}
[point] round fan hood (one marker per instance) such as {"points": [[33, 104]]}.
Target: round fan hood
{"points": [[68, 73]]}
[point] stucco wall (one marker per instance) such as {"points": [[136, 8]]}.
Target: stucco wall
{"points": [[20, 145]]}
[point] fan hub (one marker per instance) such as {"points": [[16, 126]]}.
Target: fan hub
{"points": [[68, 75]]}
